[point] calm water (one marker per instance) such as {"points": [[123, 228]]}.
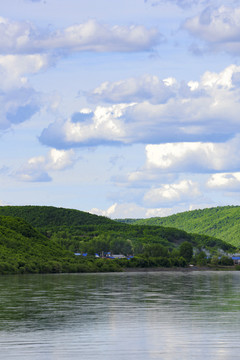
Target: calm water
{"points": [[134, 316]]}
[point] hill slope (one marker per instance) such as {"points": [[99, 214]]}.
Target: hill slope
{"points": [[45, 216], [80, 231], [23, 249], [221, 222]]}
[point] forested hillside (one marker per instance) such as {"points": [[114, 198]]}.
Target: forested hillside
{"points": [[220, 222], [45, 216], [78, 231], [23, 250]]}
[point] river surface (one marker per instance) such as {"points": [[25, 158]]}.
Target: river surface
{"points": [[133, 316]]}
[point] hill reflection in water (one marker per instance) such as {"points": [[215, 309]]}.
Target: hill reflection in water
{"points": [[161, 315]]}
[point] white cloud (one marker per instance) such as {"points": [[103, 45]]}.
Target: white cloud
{"points": [[59, 159], [132, 210], [200, 111], [225, 181], [26, 50], [108, 213], [159, 212], [147, 87], [104, 125], [17, 106], [18, 100], [172, 193], [219, 27], [118, 211], [194, 157], [14, 67], [24, 37], [37, 168]]}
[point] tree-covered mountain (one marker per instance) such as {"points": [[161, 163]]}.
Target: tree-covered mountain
{"points": [[45, 216], [220, 222], [24, 249], [78, 231]]}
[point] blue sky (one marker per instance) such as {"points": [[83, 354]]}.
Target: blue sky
{"points": [[121, 108]]}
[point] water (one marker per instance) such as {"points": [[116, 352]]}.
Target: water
{"points": [[134, 316]]}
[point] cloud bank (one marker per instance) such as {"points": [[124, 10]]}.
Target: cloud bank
{"points": [[224, 181], [171, 194], [37, 168], [26, 50], [26, 38], [196, 111], [218, 27], [194, 157], [18, 100]]}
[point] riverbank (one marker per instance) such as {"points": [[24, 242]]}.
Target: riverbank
{"points": [[182, 269]]}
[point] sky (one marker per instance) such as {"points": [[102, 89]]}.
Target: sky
{"points": [[127, 109]]}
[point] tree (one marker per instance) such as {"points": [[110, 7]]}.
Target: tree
{"points": [[155, 250], [121, 246], [201, 258], [186, 251]]}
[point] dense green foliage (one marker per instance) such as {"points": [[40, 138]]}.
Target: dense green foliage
{"points": [[220, 222], [61, 232], [186, 251], [25, 250], [41, 216], [78, 231]]}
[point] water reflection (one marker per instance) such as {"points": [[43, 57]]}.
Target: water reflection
{"points": [[166, 315]]}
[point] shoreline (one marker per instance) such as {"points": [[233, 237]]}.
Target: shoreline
{"points": [[179, 269]]}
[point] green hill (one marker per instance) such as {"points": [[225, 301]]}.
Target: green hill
{"points": [[221, 222], [47, 216], [23, 249], [76, 231]]}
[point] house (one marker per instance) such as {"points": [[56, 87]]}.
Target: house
{"points": [[113, 256], [236, 259], [118, 256]]}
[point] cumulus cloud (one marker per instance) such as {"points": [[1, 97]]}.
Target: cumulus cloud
{"points": [[205, 111], [25, 38], [167, 163], [26, 50], [103, 126], [194, 157], [225, 181], [218, 27], [18, 100], [147, 87], [172, 193], [37, 168], [17, 106], [13, 69], [132, 210]]}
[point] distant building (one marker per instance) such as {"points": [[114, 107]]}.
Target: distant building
{"points": [[118, 256], [236, 259]]}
